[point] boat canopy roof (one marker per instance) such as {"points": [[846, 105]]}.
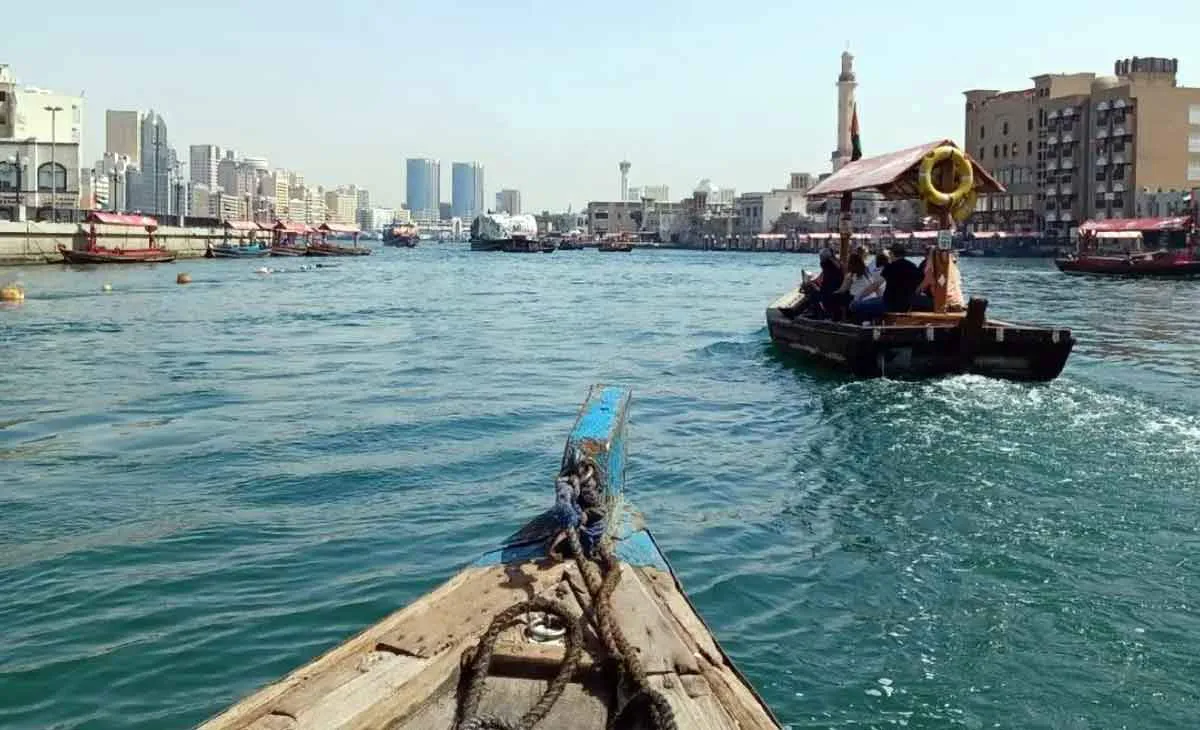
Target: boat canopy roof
{"points": [[245, 226], [290, 227], [894, 174], [1177, 223], [122, 219], [338, 228]]}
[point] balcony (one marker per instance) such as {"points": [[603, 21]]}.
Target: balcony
{"points": [[1051, 191], [1053, 114], [1068, 164], [1118, 187], [1101, 186], [1051, 165], [1102, 133], [1068, 112], [1101, 161], [1118, 159], [1119, 131], [1051, 216], [1118, 104], [1065, 190], [1102, 106], [1052, 139]]}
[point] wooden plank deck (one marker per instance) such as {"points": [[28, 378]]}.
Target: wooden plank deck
{"points": [[403, 673]]}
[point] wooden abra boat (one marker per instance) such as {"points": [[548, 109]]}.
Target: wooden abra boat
{"points": [[923, 344], [912, 344], [322, 247], [615, 247], [234, 251], [290, 239], [527, 638], [1118, 247], [118, 224]]}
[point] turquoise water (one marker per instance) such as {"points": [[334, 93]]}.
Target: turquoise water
{"points": [[202, 487]]}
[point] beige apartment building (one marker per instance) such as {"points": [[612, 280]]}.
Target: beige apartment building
{"points": [[1081, 146]]}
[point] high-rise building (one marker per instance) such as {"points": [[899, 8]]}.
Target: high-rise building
{"points": [[466, 190], [203, 160], [152, 190], [340, 205], [508, 201], [123, 134], [364, 198], [423, 183], [1080, 146]]}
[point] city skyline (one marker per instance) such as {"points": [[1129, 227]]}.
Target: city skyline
{"points": [[557, 131]]}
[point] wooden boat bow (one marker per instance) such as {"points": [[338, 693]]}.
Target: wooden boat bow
{"points": [[521, 639]]}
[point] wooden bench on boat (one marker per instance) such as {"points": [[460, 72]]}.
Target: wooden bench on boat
{"points": [[423, 668], [916, 344]]}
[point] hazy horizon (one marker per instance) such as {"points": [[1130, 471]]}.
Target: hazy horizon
{"points": [[550, 98]]}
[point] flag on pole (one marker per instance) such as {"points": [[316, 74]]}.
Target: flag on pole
{"points": [[855, 144]]}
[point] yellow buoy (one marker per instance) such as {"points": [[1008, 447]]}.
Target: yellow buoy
{"points": [[183, 278], [12, 293]]}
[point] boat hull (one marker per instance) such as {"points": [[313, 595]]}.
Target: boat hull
{"points": [[117, 256], [922, 346], [1122, 266], [331, 250], [289, 251], [237, 252], [401, 242], [615, 247]]}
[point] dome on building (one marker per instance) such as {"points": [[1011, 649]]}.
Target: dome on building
{"points": [[704, 186]]}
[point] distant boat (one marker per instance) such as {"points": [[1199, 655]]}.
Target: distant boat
{"points": [[102, 255], [495, 231], [234, 251], [152, 253], [404, 235]]}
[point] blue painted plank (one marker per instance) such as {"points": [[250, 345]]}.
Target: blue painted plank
{"points": [[599, 434]]}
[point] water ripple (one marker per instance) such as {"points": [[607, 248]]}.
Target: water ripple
{"points": [[204, 486]]}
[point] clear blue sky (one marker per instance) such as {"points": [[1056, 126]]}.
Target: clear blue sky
{"points": [[551, 95]]}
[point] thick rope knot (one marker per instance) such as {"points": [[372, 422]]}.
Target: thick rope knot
{"points": [[566, 502]]}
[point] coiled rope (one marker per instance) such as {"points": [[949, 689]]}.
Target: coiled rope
{"points": [[580, 506]]}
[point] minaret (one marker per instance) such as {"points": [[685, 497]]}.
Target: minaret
{"points": [[624, 167], [846, 85]]}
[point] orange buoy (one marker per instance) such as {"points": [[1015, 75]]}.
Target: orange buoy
{"points": [[183, 278]]}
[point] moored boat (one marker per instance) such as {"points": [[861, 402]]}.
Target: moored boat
{"points": [[1157, 247], [289, 238], [576, 621], [919, 344], [118, 225], [323, 247], [615, 247], [235, 251]]}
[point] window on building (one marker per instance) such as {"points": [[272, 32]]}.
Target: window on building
{"points": [[1194, 171], [1016, 149], [981, 151], [1100, 202], [1004, 129], [1194, 114], [995, 152], [1193, 142], [52, 176], [1004, 151], [1029, 147], [8, 176], [981, 132], [1029, 124], [1118, 172]]}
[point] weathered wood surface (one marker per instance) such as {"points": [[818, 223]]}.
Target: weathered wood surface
{"points": [[404, 672]]}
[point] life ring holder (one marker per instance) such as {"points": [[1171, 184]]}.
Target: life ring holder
{"points": [[962, 167]]}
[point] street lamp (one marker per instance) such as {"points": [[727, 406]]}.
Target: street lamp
{"points": [[54, 110], [18, 162]]}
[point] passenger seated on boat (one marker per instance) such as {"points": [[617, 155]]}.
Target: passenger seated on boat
{"points": [[898, 281], [831, 283], [855, 283]]}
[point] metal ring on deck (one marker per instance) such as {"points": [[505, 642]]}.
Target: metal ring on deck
{"points": [[544, 629]]}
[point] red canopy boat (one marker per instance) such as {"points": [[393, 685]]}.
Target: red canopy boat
{"points": [[152, 253], [324, 248], [289, 239], [1135, 247]]}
